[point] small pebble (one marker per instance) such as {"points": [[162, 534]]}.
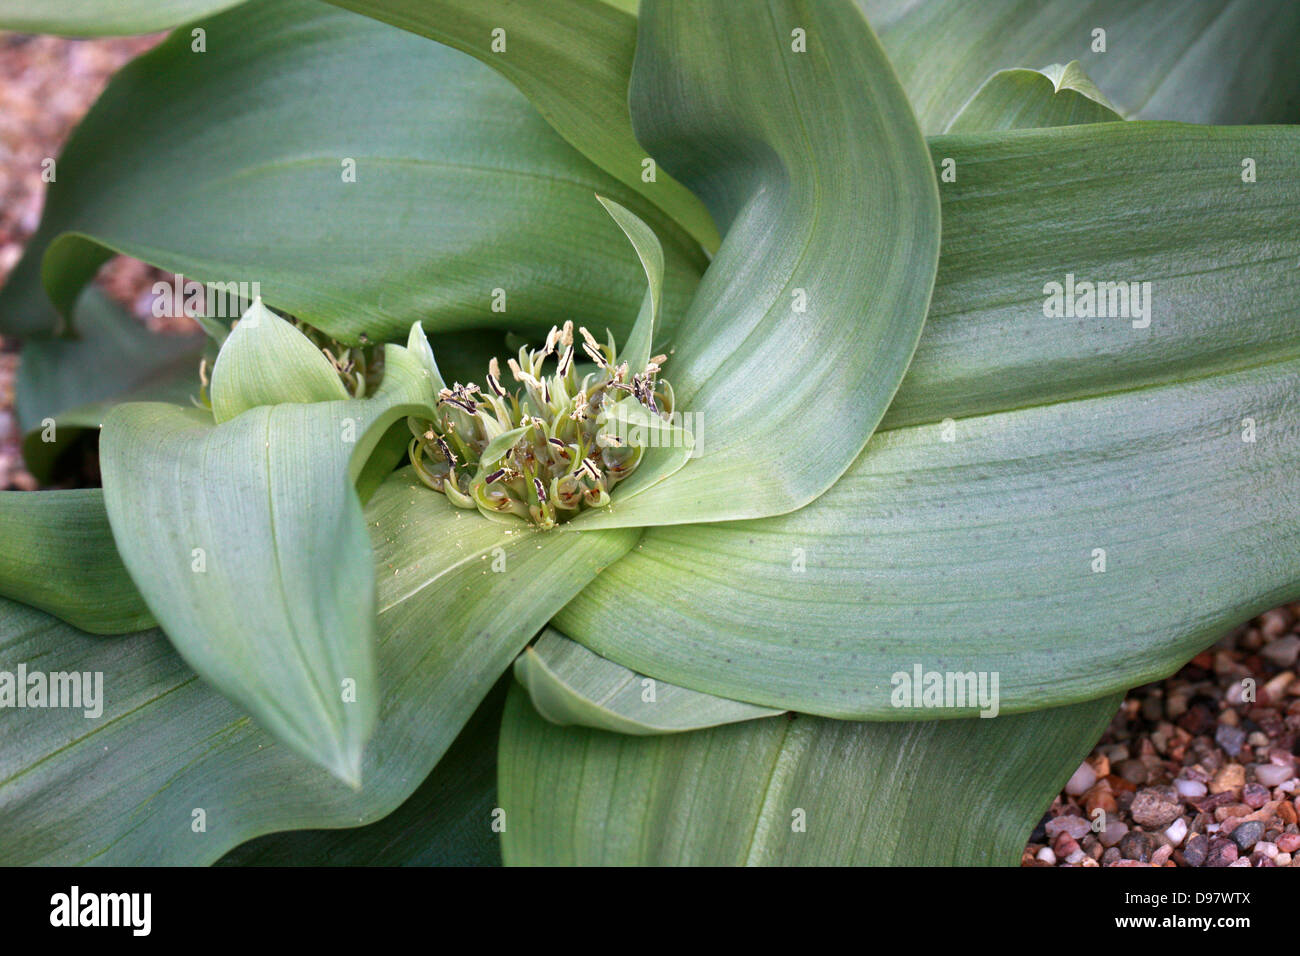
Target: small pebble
{"points": [[1136, 845], [1113, 833], [1271, 775], [1076, 827], [1190, 788], [1254, 795], [1133, 770], [1282, 653], [1231, 776], [1176, 832], [1162, 855], [1268, 849], [1156, 807], [1222, 852], [1231, 739], [1289, 842], [1082, 780], [1197, 849], [1247, 834], [1046, 854]]}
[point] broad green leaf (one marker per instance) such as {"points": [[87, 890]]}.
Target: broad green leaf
{"points": [[570, 685], [123, 789], [571, 58], [420, 184], [448, 821], [1075, 547], [59, 556], [796, 790], [813, 166], [1118, 202], [246, 539], [112, 354], [85, 18], [1023, 99], [1201, 61], [1167, 446], [65, 385], [242, 378]]}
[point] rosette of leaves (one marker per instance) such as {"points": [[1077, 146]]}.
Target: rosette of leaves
{"points": [[902, 459]]}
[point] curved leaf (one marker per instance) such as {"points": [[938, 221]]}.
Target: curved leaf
{"points": [[572, 59], [796, 790], [1106, 437], [242, 378], [1023, 99], [85, 18], [1201, 61], [1130, 202], [123, 789], [74, 381], [570, 685], [813, 165], [59, 556], [1075, 548], [247, 541], [113, 354], [376, 179], [448, 821]]}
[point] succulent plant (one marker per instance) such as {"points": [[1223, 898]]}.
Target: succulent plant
{"points": [[702, 433]]}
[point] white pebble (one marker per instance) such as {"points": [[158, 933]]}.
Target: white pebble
{"points": [[1271, 775], [1268, 849], [1082, 780], [1187, 788], [1046, 854], [1176, 832]]}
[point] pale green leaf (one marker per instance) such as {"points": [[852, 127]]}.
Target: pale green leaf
{"points": [[1023, 99], [969, 535], [1201, 61], [247, 541], [795, 790], [448, 821], [121, 790], [570, 685], [813, 165], [636, 349], [243, 378], [86, 18], [59, 556], [65, 385], [1120, 202], [572, 59], [460, 188]]}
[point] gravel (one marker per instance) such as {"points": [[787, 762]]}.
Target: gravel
{"points": [[1194, 770]]}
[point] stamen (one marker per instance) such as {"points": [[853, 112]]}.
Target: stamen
{"points": [[569, 471]]}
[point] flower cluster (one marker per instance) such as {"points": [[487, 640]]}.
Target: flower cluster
{"points": [[548, 449]]}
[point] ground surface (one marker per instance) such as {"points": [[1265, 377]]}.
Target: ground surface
{"points": [[1188, 774]]}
